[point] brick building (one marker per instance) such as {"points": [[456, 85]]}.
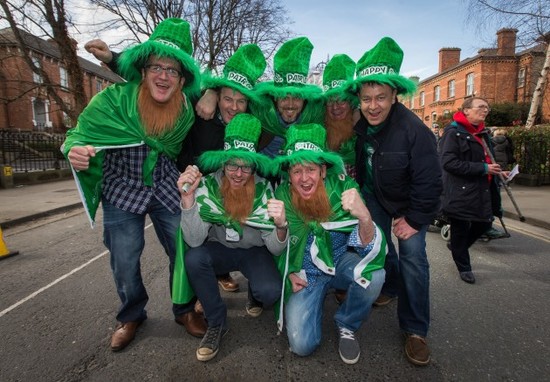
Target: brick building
{"points": [[499, 75], [24, 103]]}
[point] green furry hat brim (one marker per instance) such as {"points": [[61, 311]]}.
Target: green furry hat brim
{"points": [[306, 92], [334, 162], [213, 160], [210, 82], [343, 95], [132, 61], [402, 84]]}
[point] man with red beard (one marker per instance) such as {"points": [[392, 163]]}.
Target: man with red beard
{"points": [[340, 109], [123, 153], [234, 211], [333, 244]]}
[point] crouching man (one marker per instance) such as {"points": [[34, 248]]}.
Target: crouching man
{"points": [[234, 211], [333, 244]]}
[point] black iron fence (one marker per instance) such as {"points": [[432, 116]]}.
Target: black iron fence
{"points": [[27, 151], [533, 157]]}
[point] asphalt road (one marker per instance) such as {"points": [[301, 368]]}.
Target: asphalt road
{"points": [[58, 303]]}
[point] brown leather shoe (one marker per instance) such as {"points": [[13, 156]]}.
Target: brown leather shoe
{"points": [[227, 283], [124, 334], [417, 350], [194, 323]]}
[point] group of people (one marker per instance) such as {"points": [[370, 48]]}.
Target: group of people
{"points": [[300, 188]]}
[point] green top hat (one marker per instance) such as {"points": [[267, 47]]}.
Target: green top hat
{"points": [[381, 65], [241, 72], [339, 71], [306, 143], [291, 68], [241, 141], [171, 38]]}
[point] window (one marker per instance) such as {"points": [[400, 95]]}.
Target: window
{"points": [[421, 98], [436, 93], [412, 102], [521, 78], [434, 117], [63, 79], [37, 78], [98, 85], [470, 84], [446, 113], [451, 88]]}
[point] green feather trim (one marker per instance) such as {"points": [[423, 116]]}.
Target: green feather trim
{"points": [[307, 92], [133, 59], [402, 84], [213, 160], [334, 162]]}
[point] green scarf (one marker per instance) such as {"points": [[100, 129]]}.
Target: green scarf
{"points": [[347, 151], [212, 210], [111, 121]]}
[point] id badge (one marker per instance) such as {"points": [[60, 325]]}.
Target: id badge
{"points": [[231, 235]]}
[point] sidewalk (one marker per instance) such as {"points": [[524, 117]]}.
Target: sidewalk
{"points": [[26, 203]]}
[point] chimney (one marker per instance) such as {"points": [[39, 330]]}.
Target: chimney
{"points": [[448, 57], [506, 42]]}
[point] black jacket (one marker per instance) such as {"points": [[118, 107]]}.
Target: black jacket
{"points": [[467, 192], [406, 171], [205, 135]]}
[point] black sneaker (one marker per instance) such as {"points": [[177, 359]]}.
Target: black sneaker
{"points": [[210, 343], [254, 308], [348, 346]]}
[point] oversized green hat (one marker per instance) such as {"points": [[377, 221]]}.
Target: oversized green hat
{"points": [[241, 141], [241, 71], [291, 68], [381, 65], [339, 71], [306, 143], [171, 38]]}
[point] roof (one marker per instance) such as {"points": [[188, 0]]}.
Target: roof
{"points": [[7, 37], [488, 53]]}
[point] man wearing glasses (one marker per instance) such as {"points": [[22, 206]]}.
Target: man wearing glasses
{"points": [[123, 151], [231, 222]]}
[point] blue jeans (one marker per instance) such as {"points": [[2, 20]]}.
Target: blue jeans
{"points": [[123, 235], [304, 309], [407, 274], [203, 263]]}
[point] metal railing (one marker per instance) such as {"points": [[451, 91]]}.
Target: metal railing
{"points": [[533, 157], [27, 151]]}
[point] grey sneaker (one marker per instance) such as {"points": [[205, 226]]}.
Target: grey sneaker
{"points": [[254, 308], [210, 343], [348, 346]]}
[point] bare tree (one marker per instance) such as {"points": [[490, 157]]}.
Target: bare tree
{"points": [[51, 19], [219, 27], [532, 19]]}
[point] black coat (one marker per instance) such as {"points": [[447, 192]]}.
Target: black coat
{"points": [[406, 171], [467, 192]]}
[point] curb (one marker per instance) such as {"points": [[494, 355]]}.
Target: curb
{"points": [[528, 220], [39, 215]]}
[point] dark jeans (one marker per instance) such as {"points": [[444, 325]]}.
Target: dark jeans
{"points": [[464, 233], [256, 264], [124, 236], [407, 274]]}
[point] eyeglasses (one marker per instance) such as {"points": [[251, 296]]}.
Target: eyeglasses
{"points": [[157, 69], [246, 169], [484, 107]]}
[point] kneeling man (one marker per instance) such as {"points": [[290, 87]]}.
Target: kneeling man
{"points": [[333, 244], [234, 210]]}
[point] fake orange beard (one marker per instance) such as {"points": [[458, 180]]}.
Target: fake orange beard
{"points": [[338, 131], [238, 202], [158, 118], [316, 208]]}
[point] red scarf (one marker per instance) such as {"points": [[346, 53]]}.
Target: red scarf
{"points": [[460, 117]]}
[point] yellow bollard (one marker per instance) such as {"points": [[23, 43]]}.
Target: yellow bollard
{"points": [[4, 251]]}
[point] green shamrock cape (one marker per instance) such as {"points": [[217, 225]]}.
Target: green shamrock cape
{"points": [[111, 121], [321, 249], [212, 210]]}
